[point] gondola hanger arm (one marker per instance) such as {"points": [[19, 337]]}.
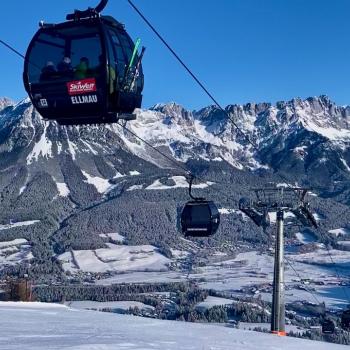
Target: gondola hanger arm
{"points": [[190, 180], [90, 12], [101, 6]]}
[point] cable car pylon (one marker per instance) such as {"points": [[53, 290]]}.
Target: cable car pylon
{"points": [[278, 200]]}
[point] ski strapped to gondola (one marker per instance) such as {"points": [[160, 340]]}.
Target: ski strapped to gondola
{"points": [[137, 71], [128, 69]]}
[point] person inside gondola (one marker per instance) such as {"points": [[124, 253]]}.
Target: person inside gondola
{"points": [[112, 79], [82, 69], [65, 67], [112, 75], [48, 71]]}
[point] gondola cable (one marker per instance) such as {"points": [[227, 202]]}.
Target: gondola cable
{"points": [[12, 49], [98, 9], [337, 274], [289, 262], [199, 217], [201, 85], [156, 32], [102, 4], [187, 171]]}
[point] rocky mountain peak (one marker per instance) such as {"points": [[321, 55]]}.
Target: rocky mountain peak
{"points": [[5, 102], [172, 110]]}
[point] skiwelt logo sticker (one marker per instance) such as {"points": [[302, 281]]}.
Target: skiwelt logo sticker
{"points": [[81, 86]]}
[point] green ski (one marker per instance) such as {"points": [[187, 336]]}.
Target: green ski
{"points": [[132, 59], [136, 48]]}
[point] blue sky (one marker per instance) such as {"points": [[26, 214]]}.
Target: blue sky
{"points": [[243, 50]]}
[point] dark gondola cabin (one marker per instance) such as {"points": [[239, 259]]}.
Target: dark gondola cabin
{"points": [[85, 70], [328, 326], [345, 320], [200, 218]]}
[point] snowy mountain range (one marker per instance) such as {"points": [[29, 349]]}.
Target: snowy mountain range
{"points": [[307, 136], [72, 185]]}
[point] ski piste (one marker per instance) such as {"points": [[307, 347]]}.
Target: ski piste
{"points": [[137, 69]]}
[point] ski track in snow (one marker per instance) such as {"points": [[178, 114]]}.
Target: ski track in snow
{"points": [[35, 326]]}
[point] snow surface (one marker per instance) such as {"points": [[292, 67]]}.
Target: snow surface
{"points": [[180, 182], [267, 326], [13, 243], [250, 270], [227, 211], [179, 254], [18, 224], [330, 133], [22, 189], [273, 216], [345, 244], [115, 258], [42, 148], [62, 189], [210, 301], [113, 305], [101, 185], [114, 236], [317, 216], [345, 164], [305, 238], [135, 187], [339, 232], [14, 252], [35, 326]]}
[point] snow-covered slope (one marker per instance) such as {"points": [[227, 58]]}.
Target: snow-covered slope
{"points": [[47, 326]]}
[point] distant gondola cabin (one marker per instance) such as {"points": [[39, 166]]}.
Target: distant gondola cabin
{"points": [[200, 218], [328, 326], [345, 320]]}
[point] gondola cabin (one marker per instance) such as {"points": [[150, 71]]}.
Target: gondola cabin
{"points": [[200, 218], [86, 70], [328, 326], [345, 320]]}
